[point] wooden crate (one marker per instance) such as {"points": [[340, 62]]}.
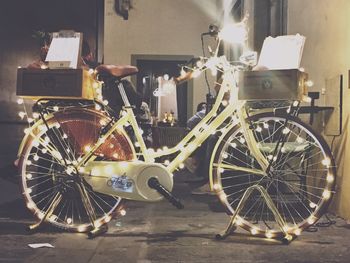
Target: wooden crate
{"points": [[55, 83], [272, 85]]}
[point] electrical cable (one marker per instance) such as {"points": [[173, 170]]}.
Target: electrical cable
{"points": [[205, 72], [332, 143]]}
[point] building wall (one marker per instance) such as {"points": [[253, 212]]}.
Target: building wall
{"points": [[325, 23], [159, 27], [18, 21]]}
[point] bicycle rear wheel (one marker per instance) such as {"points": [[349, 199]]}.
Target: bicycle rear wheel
{"points": [[300, 179], [47, 167]]}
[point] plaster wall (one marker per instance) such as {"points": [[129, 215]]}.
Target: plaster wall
{"points": [[325, 23], [159, 27]]}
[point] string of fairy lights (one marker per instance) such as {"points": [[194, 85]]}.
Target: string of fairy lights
{"points": [[214, 64]]}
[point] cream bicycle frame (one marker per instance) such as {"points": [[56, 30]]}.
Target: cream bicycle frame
{"points": [[206, 127]]}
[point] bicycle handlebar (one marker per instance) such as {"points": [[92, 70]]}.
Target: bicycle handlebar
{"points": [[183, 78]]}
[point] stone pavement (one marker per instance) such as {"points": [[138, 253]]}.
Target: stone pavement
{"points": [[160, 233]]}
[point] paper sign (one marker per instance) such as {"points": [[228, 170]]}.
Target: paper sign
{"points": [[282, 52], [64, 51]]}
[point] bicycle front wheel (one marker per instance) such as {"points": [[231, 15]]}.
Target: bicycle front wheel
{"points": [[300, 178], [47, 165]]}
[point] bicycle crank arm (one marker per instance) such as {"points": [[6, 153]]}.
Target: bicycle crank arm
{"points": [[154, 184]]}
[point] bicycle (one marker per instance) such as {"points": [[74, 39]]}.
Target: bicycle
{"points": [[274, 175]]}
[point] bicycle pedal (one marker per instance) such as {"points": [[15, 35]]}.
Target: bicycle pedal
{"points": [[155, 184]]}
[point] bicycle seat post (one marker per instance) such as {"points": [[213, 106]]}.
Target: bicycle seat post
{"points": [[123, 93]]}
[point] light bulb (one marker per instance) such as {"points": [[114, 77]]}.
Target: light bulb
{"points": [[81, 228], [196, 73], [311, 220], [286, 130], [216, 187], [326, 194], [21, 114], [309, 83], [122, 212], [30, 205], [87, 148], [239, 221], [108, 218], [97, 107], [312, 205], [269, 234], [254, 231], [297, 231], [326, 162], [330, 178]]}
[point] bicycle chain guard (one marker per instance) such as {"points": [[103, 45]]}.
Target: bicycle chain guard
{"points": [[127, 179]]}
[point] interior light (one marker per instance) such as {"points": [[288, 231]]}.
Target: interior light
{"points": [[234, 33]]}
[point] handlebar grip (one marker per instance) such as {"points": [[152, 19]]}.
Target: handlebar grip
{"points": [[183, 78]]}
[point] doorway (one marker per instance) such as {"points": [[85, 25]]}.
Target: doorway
{"points": [[153, 66]]}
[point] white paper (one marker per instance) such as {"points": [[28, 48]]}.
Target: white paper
{"points": [[283, 52], [64, 49], [40, 245]]}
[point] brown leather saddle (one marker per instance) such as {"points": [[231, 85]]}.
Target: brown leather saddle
{"points": [[116, 71]]}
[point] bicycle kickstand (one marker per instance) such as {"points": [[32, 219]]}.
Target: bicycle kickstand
{"points": [[96, 230], [56, 200]]}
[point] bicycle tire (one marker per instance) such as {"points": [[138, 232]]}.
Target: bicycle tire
{"points": [[44, 174], [300, 183]]}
